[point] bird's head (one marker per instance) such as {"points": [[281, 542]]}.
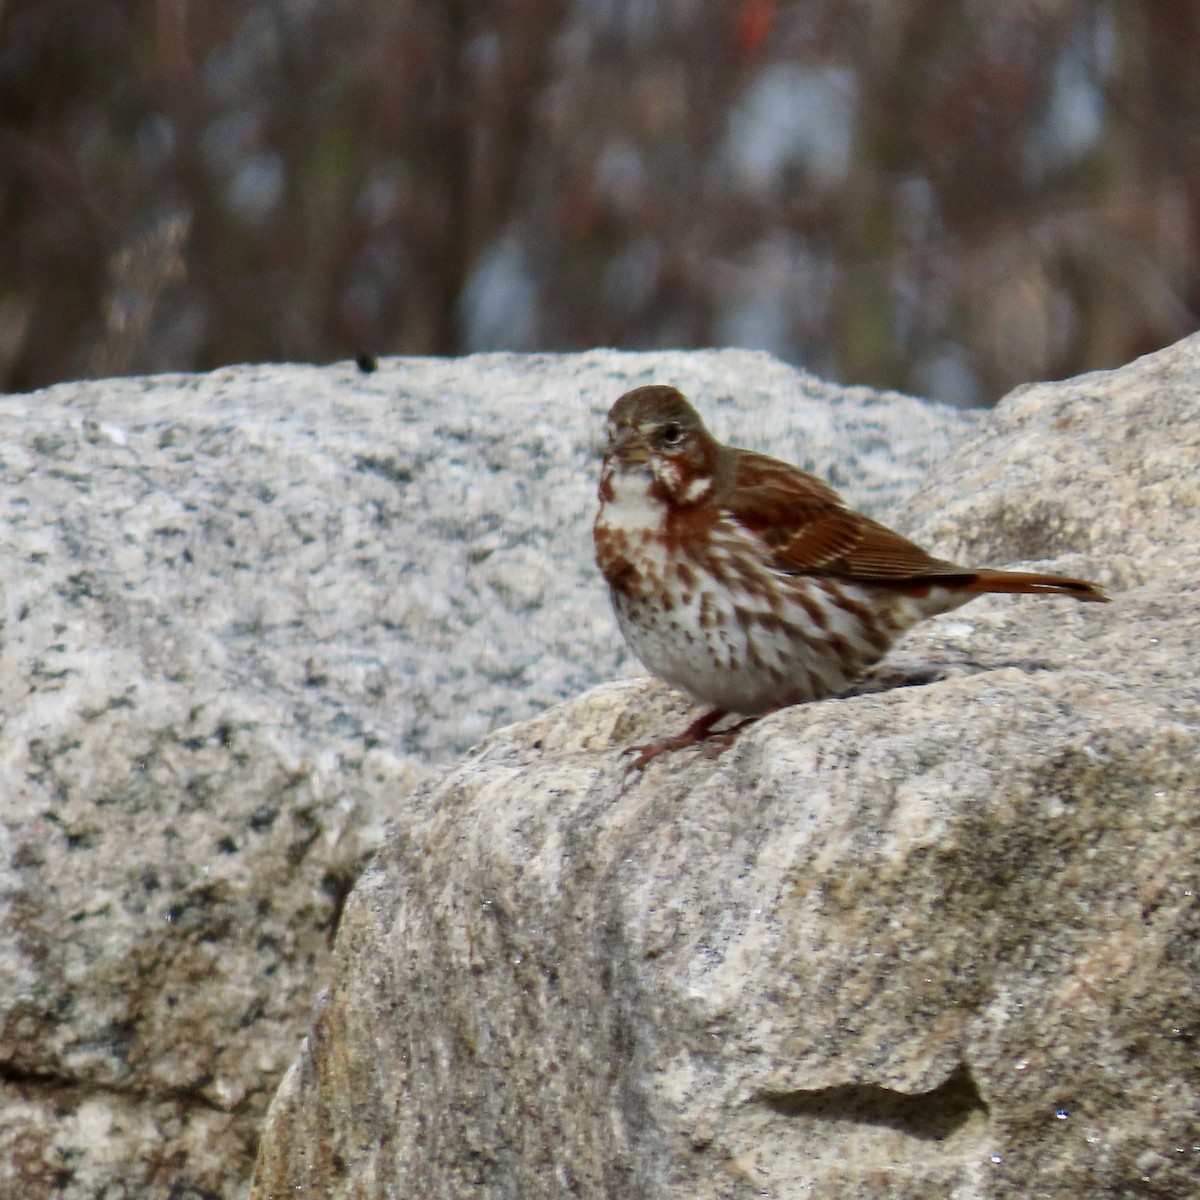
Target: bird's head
{"points": [[653, 431]]}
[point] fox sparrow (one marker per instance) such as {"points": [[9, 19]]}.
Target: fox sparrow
{"points": [[746, 582]]}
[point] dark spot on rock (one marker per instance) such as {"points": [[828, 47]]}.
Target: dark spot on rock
{"points": [[262, 818]]}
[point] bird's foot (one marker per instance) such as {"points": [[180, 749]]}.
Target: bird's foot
{"points": [[715, 744], [700, 730]]}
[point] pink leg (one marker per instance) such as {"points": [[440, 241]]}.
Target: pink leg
{"points": [[697, 731]]}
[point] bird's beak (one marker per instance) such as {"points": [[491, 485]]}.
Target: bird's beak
{"points": [[627, 445]]}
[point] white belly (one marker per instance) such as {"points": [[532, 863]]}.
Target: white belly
{"points": [[731, 650]]}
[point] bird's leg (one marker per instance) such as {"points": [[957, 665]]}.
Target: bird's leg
{"points": [[697, 731], [718, 743]]}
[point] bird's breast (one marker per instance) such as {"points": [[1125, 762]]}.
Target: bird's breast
{"points": [[630, 532]]}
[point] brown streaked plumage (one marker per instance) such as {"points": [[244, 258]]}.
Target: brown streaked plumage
{"points": [[746, 582]]}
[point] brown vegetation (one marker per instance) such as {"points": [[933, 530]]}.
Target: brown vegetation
{"points": [[944, 198]]}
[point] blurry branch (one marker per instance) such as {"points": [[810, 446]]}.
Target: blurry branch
{"points": [[948, 199], [16, 316], [476, 139], [138, 274]]}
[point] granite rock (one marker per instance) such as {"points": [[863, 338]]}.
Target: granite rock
{"points": [[930, 940], [242, 616]]}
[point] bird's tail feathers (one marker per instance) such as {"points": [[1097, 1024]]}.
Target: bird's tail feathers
{"points": [[1024, 581]]}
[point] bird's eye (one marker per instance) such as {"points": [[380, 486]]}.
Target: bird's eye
{"points": [[672, 434]]}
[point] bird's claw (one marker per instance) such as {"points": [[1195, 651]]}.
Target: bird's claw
{"points": [[700, 730]]}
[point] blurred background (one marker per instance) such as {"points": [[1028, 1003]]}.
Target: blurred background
{"points": [[948, 198]]}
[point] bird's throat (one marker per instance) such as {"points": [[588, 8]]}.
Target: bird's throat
{"points": [[633, 505]]}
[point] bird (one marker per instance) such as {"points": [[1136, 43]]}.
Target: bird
{"points": [[749, 584]]}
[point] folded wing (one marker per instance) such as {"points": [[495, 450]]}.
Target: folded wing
{"points": [[809, 531]]}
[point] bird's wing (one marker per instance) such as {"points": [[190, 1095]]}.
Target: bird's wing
{"points": [[808, 530]]}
